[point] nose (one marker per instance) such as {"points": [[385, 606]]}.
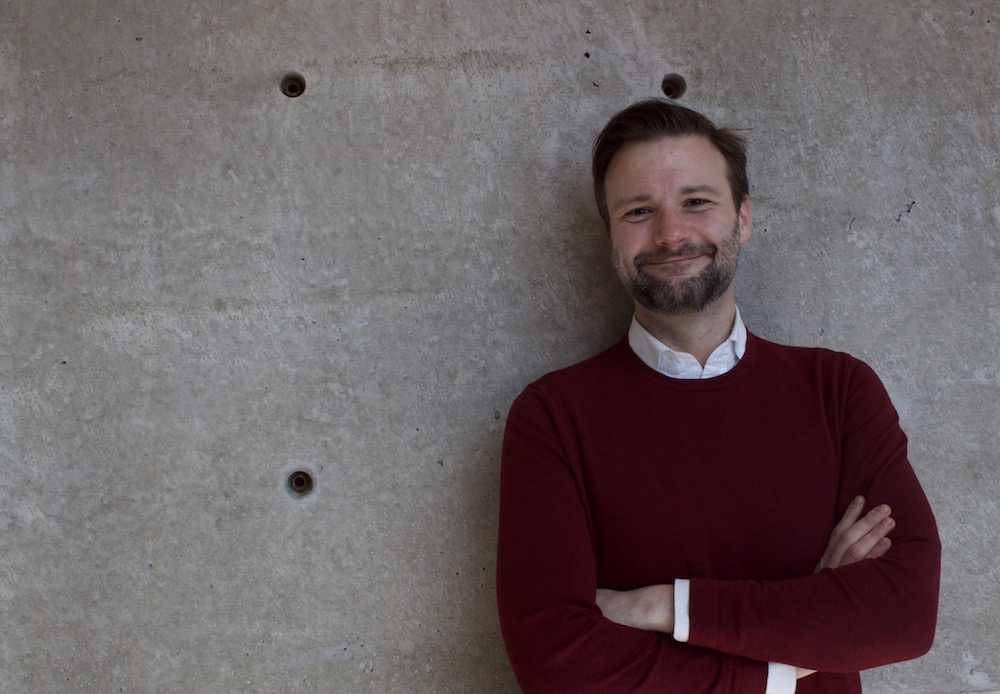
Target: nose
{"points": [[669, 229]]}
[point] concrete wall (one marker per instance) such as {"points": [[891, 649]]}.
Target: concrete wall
{"points": [[207, 285]]}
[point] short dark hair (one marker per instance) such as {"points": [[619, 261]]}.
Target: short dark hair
{"points": [[655, 119]]}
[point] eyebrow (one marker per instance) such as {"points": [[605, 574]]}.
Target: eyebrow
{"points": [[631, 199], [703, 188]]}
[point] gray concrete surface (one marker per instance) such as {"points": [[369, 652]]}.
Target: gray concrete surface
{"points": [[205, 285]]}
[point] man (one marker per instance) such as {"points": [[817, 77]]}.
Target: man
{"points": [[685, 511]]}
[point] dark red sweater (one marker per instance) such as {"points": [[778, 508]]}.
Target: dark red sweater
{"points": [[615, 476]]}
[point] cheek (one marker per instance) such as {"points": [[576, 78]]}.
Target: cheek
{"points": [[627, 240], [621, 258], [617, 242]]}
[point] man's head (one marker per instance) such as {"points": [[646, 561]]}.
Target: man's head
{"points": [[655, 119], [676, 213]]}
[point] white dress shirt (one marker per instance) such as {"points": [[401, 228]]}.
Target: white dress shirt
{"points": [[667, 361], [659, 357]]}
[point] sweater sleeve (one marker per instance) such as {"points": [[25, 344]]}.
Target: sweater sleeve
{"points": [[854, 617], [556, 637]]}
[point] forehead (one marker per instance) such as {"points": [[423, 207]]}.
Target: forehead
{"points": [[687, 160]]}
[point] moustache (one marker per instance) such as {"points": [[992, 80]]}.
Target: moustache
{"points": [[687, 250]]}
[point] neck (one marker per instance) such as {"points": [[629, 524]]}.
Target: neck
{"points": [[697, 333]]}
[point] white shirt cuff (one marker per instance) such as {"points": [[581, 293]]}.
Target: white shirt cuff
{"points": [[780, 679], [682, 618]]}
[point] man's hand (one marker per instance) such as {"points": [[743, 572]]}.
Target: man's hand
{"points": [[650, 608], [853, 540]]}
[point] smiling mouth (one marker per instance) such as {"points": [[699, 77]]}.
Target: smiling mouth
{"points": [[675, 265], [672, 261], [676, 256]]}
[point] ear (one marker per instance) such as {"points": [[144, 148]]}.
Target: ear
{"points": [[743, 217]]}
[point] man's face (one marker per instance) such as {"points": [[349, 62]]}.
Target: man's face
{"points": [[675, 232]]}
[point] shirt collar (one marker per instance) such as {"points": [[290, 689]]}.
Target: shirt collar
{"points": [[669, 362]]}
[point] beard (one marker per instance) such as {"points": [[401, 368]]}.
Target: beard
{"points": [[689, 295]]}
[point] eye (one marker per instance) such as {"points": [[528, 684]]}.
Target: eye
{"points": [[696, 202], [638, 212]]}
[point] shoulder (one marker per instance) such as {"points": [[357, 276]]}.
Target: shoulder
{"points": [[821, 367], [802, 357], [605, 371], [611, 358]]}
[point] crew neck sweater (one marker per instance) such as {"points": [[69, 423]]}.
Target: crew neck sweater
{"points": [[615, 476]]}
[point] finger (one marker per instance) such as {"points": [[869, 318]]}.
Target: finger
{"points": [[851, 516], [604, 596], [854, 534], [880, 548], [855, 542], [869, 542]]}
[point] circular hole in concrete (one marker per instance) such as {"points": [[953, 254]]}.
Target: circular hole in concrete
{"points": [[673, 86], [300, 483], [293, 84]]}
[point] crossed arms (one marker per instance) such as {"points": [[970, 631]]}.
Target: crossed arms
{"points": [[562, 530], [853, 539]]}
